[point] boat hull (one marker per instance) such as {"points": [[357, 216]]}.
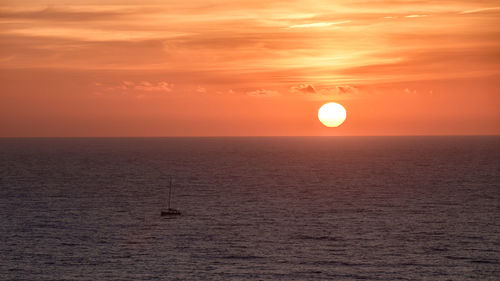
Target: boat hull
{"points": [[170, 212]]}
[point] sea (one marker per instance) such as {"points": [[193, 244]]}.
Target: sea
{"points": [[253, 208]]}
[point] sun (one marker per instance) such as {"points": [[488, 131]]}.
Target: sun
{"points": [[332, 114]]}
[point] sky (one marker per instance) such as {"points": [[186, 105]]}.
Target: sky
{"points": [[81, 68]]}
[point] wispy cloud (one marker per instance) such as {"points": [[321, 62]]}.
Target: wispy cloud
{"points": [[89, 34], [481, 10], [416, 16], [318, 24], [67, 14], [238, 42], [153, 87], [130, 86], [339, 90], [263, 93]]}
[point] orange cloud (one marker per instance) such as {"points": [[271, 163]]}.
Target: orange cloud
{"points": [[263, 93], [136, 87], [340, 90], [303, 89]]}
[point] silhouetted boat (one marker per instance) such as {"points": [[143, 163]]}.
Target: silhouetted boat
{"points": [[170, 211]]}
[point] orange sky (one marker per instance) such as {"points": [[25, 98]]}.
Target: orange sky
{"points": [[244, 68]]}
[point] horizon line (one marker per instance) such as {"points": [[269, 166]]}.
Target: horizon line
{"points": [[242, 136]]}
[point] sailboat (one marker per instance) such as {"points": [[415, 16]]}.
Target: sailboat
{"points": [[170, 211]]}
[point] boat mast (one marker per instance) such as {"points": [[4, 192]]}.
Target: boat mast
{"points": [[169, 193]]}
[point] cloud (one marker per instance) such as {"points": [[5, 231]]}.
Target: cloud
{"points": [[339, 90], [229, 44], [492, 9], [416, 16], [263, 93], [318, 24], [59, 14], [303, 89], [142, 86], [150, 87], [442, 63], [346, 89]]}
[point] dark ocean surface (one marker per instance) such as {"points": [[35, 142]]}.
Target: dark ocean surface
{"points": [[325, 208]]}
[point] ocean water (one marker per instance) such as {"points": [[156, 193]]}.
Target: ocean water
{"points": [[325, 208]]}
